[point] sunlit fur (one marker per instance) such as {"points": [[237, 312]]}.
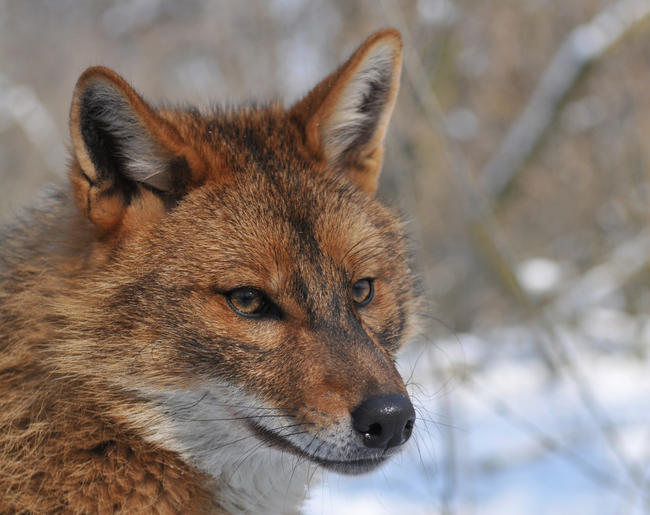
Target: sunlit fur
{"points": [[127, 382]]}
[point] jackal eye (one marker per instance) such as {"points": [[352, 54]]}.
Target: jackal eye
{"points": [[250, 302], [363, 291], [245, 301]]}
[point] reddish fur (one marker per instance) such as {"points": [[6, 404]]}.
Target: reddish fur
{"points": [[101, 299]]}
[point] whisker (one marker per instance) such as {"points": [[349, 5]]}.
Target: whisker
{"points": [[241, 406], [194, 404], [298, 461], [417, 360], [262, 443], [351, 249], [318, 449], [248, 417], [311, 477], [232, 442], [247, 455]]}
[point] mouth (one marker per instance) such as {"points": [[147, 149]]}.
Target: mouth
{"points": [[350, 467]]}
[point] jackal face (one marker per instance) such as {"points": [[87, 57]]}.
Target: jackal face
{"points": [[244, 277]]}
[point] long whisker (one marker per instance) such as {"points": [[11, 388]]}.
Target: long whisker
{"points": [[299, 461], [351, 249], [194, 404], [255, 448], [232, 442], [247, 417], [241, 406]]}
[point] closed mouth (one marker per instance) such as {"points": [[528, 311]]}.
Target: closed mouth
{"points": [[352, 467]]}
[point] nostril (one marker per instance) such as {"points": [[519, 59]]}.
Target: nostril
{"points": [[374, 430], [384, 421], [408, 428]]}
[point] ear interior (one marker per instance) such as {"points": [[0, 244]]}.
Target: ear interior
{"points": [[123, 147], [360, 107], [346, 116], [117, 142]]}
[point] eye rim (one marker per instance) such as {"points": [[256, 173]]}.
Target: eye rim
{"points": [[266, 308], [371, 292]]}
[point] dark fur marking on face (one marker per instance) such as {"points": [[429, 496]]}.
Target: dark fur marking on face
{"points": [[306, 242], [301, 293], [103, 448], [133, 293], [257, 147], [334, 309], [251, 138], [201, 349], [343, 331], [217, 356]]}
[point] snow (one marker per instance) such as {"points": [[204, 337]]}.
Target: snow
{"points": [[539, 275]]}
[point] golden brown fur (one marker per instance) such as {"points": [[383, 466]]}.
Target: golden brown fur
{"points": [[113, 293]]}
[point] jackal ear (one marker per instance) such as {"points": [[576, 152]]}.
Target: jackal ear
{"points": [[123, 149], [346, 115]]}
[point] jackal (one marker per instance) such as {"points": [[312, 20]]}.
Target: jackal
{"points": [[212, 306]]}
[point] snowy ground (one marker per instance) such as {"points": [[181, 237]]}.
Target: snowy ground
{"points": [[513, 438]]}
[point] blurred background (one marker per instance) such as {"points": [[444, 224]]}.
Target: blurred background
{"points": [[519, 153]]}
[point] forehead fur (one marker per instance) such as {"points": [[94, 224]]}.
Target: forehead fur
{"points": [[275, 197]]}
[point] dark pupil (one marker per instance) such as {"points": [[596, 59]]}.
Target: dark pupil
{"points": [[361, 290], [246, 299]]}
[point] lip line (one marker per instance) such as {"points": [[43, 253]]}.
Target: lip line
{"points": [[279, 441]]}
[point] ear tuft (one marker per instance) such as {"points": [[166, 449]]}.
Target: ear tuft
{"points": [[346, 116]]}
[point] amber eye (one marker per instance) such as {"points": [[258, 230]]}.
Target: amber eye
{"points": [[363, 291], [247, 301]]}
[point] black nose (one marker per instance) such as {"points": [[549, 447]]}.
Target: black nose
{"points": [[384, 421]]}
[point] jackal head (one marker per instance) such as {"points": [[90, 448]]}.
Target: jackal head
{"points": [[243, 279]]}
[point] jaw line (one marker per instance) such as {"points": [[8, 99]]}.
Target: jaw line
{"points": [[352, 467]]}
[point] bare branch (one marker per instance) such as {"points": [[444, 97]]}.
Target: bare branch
{"points": [[584, 45]]}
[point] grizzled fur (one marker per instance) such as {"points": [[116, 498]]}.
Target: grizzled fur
{"points": [[127, 382]]}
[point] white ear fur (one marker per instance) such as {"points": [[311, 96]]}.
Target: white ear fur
{"points": [[364, 105], [345, 117], [143, 159]]}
